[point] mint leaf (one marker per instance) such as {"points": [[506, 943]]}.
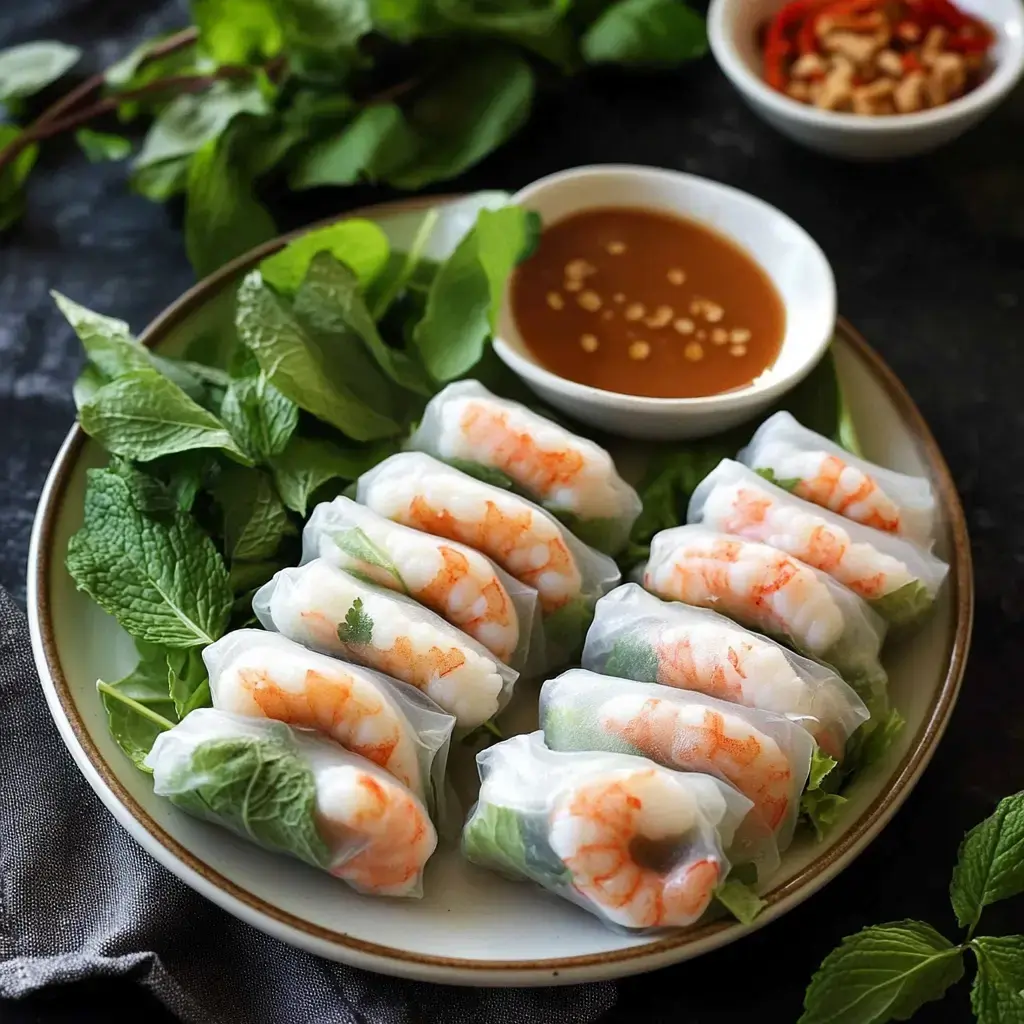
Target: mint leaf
{"points": [[255, 520], [187, 680], [237, 31], [740, 900], [31, 67], [357, 627], [997, 996], [646, 33], [107, 341], [101, 146], [360, 244], [142, 415], [162, 579], [356, 544], [295, 363], [261, 419], [990, 865], [886, 972], [787, 483]]}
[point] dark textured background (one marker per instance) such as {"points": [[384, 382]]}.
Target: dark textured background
{"points": [[929, 256]]}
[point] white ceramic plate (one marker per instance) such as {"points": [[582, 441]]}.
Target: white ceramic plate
{"points": [[472, 927]]}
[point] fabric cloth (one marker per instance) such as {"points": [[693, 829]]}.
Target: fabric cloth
{"points": [[79, 899]]}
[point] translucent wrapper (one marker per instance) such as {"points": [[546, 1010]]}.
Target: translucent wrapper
{"points": [[454, 580], [639, 845], [569, 475], [637, 636], [328, 610], [814, 468], [766, 757], [295, 792], [265, 675], [898, 579], [419, 491]]}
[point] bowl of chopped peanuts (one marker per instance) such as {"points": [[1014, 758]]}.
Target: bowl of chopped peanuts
{"points": [[870, 80]]}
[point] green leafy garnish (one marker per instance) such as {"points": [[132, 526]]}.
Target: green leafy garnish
{"points": [[354, 542], [646, 33], [632, 658], [31, 67], [905, 605], [261, 419], [255, 518], [357, 627], [998, 993], [139, 707], [787, 484], [740, 899], [187, 681], [101, 146]]}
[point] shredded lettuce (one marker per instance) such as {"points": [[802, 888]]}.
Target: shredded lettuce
{"points": [[740, 900], [905, 605]]}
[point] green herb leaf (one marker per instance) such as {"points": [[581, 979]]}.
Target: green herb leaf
{"points": [[998, 993], [740, 899], [886, 972], [107, 342], [822, 766], [646, 33], [137, 68], [255, 520], [12, 177], [990, 865], [870, 743], [307, 464], [356, 544], [158, 182], [357, 627], [632, 658], [488, 474], [360, 244], [187, 680], [101, 146], [260, 418], [322, 28], [905, 605], [31, 67], [822, 810], [466, 114], [787, 484], [222, 218], [493, 838], [513, 18], [465, 295], [237, 31], [162, 579], [295, 364], [89, 381]]}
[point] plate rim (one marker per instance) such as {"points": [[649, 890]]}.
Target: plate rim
{"points": [[632, 959]]}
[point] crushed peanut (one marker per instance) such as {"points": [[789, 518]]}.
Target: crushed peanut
{"points": [[616, 248], [684, 326], [661, 317], [737, 350], [713, 312], [607, 314], [618, 297], [719, 335], [589, 342], [639, 350], [555, 301], [590, 301], [739, 335], [701, 335], [573, 284], [694, 351], [676, 276], [635, 311], [579, 268]]}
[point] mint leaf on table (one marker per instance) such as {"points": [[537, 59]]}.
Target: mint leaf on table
{"points": [[357, 627], [162, 579], [101, 146], [997, 996], [990, 865], [237, 31], [187, 680], [886, 972], [223, 219], [645, 33], [360, 244], [295, 363], [31, 67], [260, 418], [466, 293], [255, 520], [12, 177]]}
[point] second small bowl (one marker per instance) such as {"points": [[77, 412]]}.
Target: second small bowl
{"points": [[792, 260]]}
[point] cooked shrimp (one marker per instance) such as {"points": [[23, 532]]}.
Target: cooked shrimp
{"points": [[594, 829], [827, 480], [752, 583], [755, 514], [700, 739], [396, 832], [270, 683]]}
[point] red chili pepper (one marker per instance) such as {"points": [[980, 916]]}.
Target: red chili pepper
{"points": [[911, 63], [778, 45], [856, 15]]}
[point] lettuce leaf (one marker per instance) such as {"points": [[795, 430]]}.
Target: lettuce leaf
{"points": [[905, 605]]}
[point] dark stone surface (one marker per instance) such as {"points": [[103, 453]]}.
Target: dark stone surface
{"points": [[929, 256]]}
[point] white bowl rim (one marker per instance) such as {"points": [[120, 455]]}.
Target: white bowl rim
{"points": [[757, 389], [1003, 78]]}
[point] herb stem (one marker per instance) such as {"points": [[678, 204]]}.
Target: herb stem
{"points": [[112, 691]]}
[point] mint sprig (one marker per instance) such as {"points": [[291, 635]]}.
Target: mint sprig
{"points": [[889, 971]]}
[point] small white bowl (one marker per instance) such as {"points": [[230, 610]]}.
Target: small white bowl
{"points": [[787, 254], [732, 33]]}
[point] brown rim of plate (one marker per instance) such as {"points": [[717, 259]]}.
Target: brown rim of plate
{"points": [[960, 580]]}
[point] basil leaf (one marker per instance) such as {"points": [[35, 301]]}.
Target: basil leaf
{"points": [[237, 31], [358, 626], [886, 972], [646, 33], [260, 418], [162, 579], [12, 177], [997, 996], [31, 67], [255, 520], [187, 680], [297, 366], [101, 146], [990, 865]]}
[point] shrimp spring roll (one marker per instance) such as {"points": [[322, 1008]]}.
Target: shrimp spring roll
{"points": [[640, 637], [419, 491], [579, 824], [326, 609], [455, 581], [265, 675], [569, 475], [817, 470], [292, 791], [766, 757], [897, 579], [767, 590]]}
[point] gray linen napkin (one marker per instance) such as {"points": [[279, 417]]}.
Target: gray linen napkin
{"points": [[79, 899]]}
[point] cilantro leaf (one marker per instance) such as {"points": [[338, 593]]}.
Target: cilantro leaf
{"points": [[357, 627], [997, 996], [31, 67]]}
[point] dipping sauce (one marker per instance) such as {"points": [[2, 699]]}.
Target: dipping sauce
{"points": [[643, 303]]}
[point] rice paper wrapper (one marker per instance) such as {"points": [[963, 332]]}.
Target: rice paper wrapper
{"points": [[898, 579], [261, 674], [821, 471], [295, 792], [463, 586], [767, 757], [571, 476], [418, 490], [328, 610], [767, 590], [561, 819]]}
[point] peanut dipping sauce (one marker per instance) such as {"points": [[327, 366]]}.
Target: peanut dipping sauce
{"points": [[643, 303]]}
